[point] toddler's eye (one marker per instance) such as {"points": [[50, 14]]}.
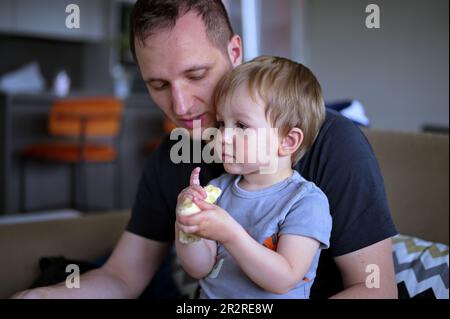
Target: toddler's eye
{"points": [[241, 126]]}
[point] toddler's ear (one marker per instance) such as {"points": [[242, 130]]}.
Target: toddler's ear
{"points": [[291, 142]]}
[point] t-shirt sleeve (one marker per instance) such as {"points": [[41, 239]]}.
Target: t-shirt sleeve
{"points": [[150, 213], [360, 206], [309, 217]]}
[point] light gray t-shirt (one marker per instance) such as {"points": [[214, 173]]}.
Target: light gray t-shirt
{"points": [[293, 206]]}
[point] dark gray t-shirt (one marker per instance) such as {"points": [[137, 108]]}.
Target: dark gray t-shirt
{"points": [[293, 206]]}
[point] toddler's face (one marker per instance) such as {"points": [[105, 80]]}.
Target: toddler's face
{"points": [[248, 141]]}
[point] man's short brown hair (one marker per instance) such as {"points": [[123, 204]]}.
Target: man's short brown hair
{"points": [[290, 91], [150, 16]]}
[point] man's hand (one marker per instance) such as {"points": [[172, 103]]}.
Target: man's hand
{"points": [[126, 274], [38, 293]]}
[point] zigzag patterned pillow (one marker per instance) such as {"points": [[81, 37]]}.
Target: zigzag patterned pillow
{"points": [[421, 268]]}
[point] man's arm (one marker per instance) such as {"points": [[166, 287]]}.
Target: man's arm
{"points": [[127, 272], [355, 271]]}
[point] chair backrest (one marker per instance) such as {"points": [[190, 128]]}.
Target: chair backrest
{"points": [[416, 175], [93, 117]]}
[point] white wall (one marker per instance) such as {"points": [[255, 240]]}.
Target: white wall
{"points": [[400, 72]]}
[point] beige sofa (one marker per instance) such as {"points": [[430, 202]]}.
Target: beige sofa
{"points": [[21, 246], [415, 168], [415, 171]]}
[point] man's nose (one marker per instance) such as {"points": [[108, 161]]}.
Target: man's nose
{"points": [[182, 101]]}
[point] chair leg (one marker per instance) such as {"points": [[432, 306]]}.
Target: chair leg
{"points": [[83, 186], [23, 186], [73, 186], [117, 186]]}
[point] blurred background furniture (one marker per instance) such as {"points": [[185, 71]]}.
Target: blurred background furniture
{"points": [[416, 176], [415, 171], [24, 121], [22, 245], [81, 122]]}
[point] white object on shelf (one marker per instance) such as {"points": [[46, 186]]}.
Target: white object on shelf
{"points": [[61, 84], [27, 79], [122, 81]]}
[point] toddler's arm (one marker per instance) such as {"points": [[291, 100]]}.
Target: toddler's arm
{"points": [[275, 271], [196, 258], [196, 255]]}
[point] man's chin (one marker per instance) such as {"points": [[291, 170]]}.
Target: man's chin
{"points": [[199, 135], [204, 132]]}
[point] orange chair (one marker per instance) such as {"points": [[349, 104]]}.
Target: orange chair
{"points": [[81, 122]]}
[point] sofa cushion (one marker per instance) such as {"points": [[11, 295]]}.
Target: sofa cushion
{"points": [[416, 176], [84, 238], [421, 268]]}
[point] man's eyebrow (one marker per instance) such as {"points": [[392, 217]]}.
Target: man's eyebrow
{"points": [[197, 68], [148, 80], [194, 68]]}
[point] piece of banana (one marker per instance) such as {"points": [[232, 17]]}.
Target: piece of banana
{"points": [[189, 208]]}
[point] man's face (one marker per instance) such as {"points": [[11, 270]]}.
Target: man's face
{"points": [[181, 69]]}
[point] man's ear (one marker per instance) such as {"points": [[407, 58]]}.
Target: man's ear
{"points": [[291, 142], [235, 50]]}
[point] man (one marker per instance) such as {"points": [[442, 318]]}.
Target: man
{"points": [[183, 48]]}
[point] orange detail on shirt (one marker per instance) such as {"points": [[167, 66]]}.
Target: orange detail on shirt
{"points": [[271, 242]]}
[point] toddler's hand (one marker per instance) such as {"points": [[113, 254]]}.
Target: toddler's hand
{"points": [[213, 222], [186, 206], [189, 193]]}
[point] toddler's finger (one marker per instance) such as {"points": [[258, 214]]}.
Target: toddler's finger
{"points": [[200, 190], [191, 193], [188, 229], [202, 204], [190, 220], [195, 177]]}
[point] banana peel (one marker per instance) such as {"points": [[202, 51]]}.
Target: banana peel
{"points": [[189, 208]]}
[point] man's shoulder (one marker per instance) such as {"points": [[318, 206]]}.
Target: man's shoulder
{"points": [[340, 137], [339, 127]]}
